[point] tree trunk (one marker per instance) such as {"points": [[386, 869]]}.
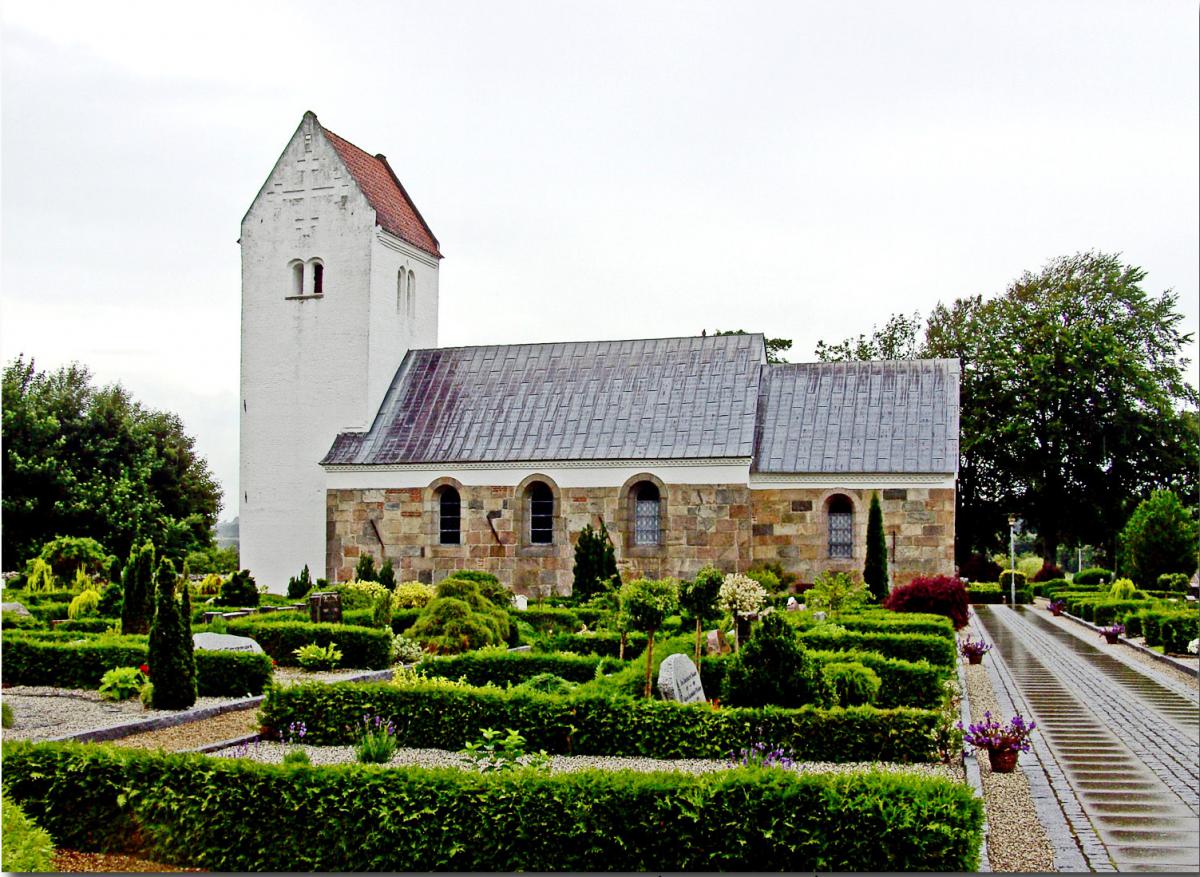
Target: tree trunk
{"points": [[649, 659], [621, 648], [699, 633]]}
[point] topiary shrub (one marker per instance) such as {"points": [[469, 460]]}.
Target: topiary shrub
{"points": [[387, 575], [239, 591], [1160, 537], [595, 563], [773, 669], [112, 599], [979, 568], [137, 581], [449, 625], [1092, 575], [1047, 572], [940, 595], [412, 595], [875, 569], [854, 684], [1175, 582], [1122, 589], [646, 603], [1008, 576], [364, 570], [469, 591], [547, 683], [171, 653], [698, 598], [490, 587]]}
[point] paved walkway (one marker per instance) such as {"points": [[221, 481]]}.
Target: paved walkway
{"points": [[1116, 768]]}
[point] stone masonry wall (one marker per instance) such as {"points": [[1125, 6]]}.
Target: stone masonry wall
{"points": [[703, 524], [791, 527]]}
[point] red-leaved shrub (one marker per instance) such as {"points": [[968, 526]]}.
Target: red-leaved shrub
{"points": [[1047, 572], [941, 595], [978, 568]]}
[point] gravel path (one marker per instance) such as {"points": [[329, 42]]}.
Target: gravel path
{"points": [[272, 753], [71, 861], [193, 735], [41, 712], [1016, 840]]}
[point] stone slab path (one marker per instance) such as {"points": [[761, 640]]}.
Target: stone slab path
{"points": [[1115, 770]]}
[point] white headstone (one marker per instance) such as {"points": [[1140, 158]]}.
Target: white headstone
{"points": [[522, 602], [224, 642], [679, 680], [792, 605], [819, 616], [14, 607]]}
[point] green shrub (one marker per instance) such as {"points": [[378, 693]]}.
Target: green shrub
{"points": [[240, 591], [899, 622], [296, 758], [387, 575], [405, 650], [1160, 537], [431, 713], [853, 683], [1106, 612], [488, 586], [364, 570], [1121, 589], [170, 651], [362, 594], [773, 669], [56, 661], [8, 719], [698, 597], [647, 603], [505, 668], [1172, 629], [906, 646], [601, 642], [361, 647], [68, 555], [239, 815], [985, 592], [836, 592], [1010, 575], [403, 619], [121, 683], [1092, 575], [595, 563], [411, 595], [315, 657], [13, 621], [547, 683], [1024, 596], [875, 569], [549, 620], [26, 846], [299, 586], [49, 611], [449, 625], [39, 577], [87, 603], [137, 584], [1046, 588], [1175, 582], [112, 600]]}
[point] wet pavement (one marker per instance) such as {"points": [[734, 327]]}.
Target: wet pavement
{"points": [[1115, 770]]}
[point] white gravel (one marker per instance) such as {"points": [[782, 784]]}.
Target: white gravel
{"points": [[42, 713], [273, 753]]}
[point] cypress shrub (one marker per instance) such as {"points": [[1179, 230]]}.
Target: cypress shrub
{"points": [[773, 669], [364, 570], [595, 563], [387, 575], [172, 663], [875, 572], [299, 586], [137, 583], [240, 591]]}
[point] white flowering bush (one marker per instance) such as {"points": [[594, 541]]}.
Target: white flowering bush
{"points": [[740, 595], [1194, 646]]}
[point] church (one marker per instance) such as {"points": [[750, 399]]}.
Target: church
{"points": [[360, 436]]}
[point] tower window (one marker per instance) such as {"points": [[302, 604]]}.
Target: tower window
{"points": [[318, 279], [297, 278], [449, 517], [541, 513], [412, 295], [841, 526], [647, 515]]}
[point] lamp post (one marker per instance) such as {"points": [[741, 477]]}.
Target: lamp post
{"points": [[1012, 560]]}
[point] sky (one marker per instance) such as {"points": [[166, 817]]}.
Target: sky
{"points": [[592, 171]]}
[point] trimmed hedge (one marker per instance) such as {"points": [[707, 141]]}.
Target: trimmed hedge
{"points": [[547, 619], [89, 625], [239, 815], [447, 717], [48, 660], [605, 642], [403, 619], [897, 623], [368, 648], [49, 611], [1093, 575], [1172, 629], [1109, 611], [29, 599], [16, 621], [985, 592], [510, 668], [936, 650]]}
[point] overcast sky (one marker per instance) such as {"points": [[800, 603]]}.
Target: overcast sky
{"points": [[599, 170]]}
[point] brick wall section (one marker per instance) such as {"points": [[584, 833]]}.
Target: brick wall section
{"points": [[791, 528], [704, 524]]}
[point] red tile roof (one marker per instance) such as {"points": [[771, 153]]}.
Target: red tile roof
{"points": [[394, 210]]}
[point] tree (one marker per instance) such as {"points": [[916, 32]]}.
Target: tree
{"points": [[241, 591], [364, 570], [773, 669], [1160, 537], [172, 661], [299, 586], [647, 603], [89, 461], [875, 571], [595, 562], [1073, 403], [387, 575], [137, 585], [699, 597], [898, 339], [775, 346]]}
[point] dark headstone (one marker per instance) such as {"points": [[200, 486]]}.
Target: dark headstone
{"points": [[325, 608]]}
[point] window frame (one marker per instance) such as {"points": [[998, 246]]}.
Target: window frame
{"points": [[443, 495], [839, 528]]}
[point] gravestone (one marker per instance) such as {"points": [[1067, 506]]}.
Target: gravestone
{"points": [[792, 605], [223, 642], [210, 617], [325, 607], [15, 607], [818, 616], [716, 644], [522, 602], [679, 680]]}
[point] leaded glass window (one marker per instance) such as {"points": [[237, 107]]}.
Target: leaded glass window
{"points": [[647, 515], [841, 527], [449, 517], [541, 514]]}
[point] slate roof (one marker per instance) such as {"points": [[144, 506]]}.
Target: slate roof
{"points": [[859, 417], [667, 398], [394, 210]]}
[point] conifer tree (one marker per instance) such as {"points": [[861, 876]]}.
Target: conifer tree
{"points": [[875, 571], [595, 562], [364, 570], [187, 647], [138, 587], [172, 666], [387, 575]]}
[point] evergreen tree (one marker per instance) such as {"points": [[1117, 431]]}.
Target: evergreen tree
{"points": [[299, 586], [595, 562], [387, 575], [187, 646], [138, 587], [172, 665], [1160, 537], [364, 570], [875, 571]]}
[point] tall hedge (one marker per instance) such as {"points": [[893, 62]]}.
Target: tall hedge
{"points": [[236, 815], [875, 571]]}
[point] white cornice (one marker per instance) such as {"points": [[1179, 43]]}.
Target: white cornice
{"points": [[392, 242]]}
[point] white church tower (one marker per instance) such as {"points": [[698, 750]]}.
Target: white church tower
{"points": [[339, 281]]}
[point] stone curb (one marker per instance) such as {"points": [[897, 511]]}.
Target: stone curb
{"points": [[182, 717], [1145, 650], [971, 764], [225, 744]]}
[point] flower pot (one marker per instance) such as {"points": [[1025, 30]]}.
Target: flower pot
{"points": [[1113, 638], [975, 659], [1003, 760]]}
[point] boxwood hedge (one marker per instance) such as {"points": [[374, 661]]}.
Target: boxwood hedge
{"points": [[602, 642], [361, 647], [549, 619], [906, 646], [510, 668], [447, 716], [238, 815]]}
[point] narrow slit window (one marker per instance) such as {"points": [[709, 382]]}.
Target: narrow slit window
{"points": [[449, 517], [412, 295], [647, 515], [298, 278], [318, 279], [841, 527], [541, 514]]}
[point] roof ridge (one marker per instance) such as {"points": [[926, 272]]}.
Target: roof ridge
{"points": [[585, 341]]}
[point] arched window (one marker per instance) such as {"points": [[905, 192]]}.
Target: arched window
{"points": [[297, 278], [412, 295], [647, 514], [540, 499], [841, 526], [449, 516], [401, 307], [318, 279]]}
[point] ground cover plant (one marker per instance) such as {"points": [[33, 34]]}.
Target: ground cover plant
{"points": [[236, 815], [26, 846]]}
